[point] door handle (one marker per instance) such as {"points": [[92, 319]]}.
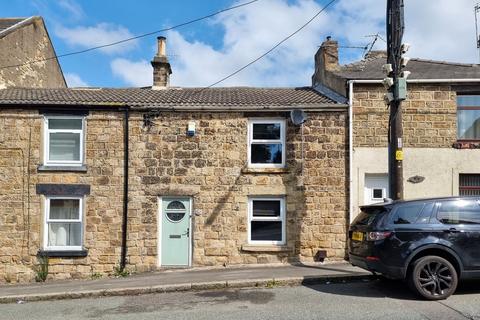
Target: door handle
{"points": [[451, 230], [186, 233]]}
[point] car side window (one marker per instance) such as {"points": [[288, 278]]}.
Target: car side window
{"points": [[408, 213], [459, 212]]}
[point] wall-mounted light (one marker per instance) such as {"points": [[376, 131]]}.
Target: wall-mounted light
{"points": [[191, 129]]}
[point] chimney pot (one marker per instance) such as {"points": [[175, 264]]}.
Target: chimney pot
{"points": [[161, 46], [161, 66]]}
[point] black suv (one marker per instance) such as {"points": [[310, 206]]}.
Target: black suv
{"points": [[430, 242]]}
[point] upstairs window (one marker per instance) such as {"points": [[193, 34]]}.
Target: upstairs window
{"points": [[468, 117], [63, 142], [266, 143]]}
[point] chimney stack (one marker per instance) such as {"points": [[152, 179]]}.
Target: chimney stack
{"points": [[326, 59], [161, 66]]}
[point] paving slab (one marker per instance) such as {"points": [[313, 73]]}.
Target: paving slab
{"points": [[181, 280]]}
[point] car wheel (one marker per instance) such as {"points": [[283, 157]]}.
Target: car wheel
{"points": [[433, 277]]}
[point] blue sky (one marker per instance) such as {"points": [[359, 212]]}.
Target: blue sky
{"points": [[206, 51]]}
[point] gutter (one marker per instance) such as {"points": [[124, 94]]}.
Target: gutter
{"points": [[420, 81], [123, 255]]}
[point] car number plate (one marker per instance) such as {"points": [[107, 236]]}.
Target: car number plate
{"points": [[357, 236]]}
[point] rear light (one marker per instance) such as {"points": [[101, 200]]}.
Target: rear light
{"points": [[378, 235], [373, 258]]}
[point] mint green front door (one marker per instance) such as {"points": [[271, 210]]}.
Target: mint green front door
{"points": [[175, 231]]}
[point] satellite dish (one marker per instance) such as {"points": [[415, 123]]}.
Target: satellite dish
{"points": [[298, 116]]}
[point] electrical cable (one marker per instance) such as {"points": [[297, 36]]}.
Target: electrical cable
{"points": [[273, 48], [131, 38]]}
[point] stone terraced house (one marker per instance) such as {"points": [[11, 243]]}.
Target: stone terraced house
{"points": [[95, 178], [441, 123]]}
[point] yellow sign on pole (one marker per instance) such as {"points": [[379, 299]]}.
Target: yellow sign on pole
{"points": [[399, 155]]}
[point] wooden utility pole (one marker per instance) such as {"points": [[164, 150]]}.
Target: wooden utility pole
{"points": [[396, 84]]}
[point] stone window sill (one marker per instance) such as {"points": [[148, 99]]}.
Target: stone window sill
{"points": [[63, 253], [265, 248], [50, 168], [265, 170]]}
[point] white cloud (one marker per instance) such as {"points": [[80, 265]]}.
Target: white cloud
{"points": [[134, 73], [249, 32], [102, 33], [437, 29], [74, 80], [72, 7], [441, 29]]}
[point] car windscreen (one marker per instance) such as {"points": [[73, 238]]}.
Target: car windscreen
{"points": [[370, 215]]}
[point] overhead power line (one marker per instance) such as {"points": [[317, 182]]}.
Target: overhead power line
{"points": [[132, 38], [274, 47]]}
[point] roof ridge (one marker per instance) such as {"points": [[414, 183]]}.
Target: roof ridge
{"points": [[461, 64]]}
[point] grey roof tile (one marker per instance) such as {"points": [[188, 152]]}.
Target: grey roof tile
{"points": [[371, 69], [171, 97]]}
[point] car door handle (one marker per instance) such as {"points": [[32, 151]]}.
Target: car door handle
{"points": [[451, 230]]}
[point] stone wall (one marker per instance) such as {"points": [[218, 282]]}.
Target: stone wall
{"points": [[24, 45], [429, 116], [210, 167], [21, 212]]}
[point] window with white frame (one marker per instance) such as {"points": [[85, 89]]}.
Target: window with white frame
{"points": [[266, 143], [63, 141], [63, 223], [266, 221]]}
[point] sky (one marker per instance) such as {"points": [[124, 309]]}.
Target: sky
{"points": [[204, 52]]}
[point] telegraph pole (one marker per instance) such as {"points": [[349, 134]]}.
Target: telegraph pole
{"points": [[397, 91]]}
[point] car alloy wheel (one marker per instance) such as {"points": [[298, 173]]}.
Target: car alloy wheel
{"points": [[434, 278]]}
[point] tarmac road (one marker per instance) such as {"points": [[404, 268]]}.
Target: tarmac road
{"points": [[376, 299]]}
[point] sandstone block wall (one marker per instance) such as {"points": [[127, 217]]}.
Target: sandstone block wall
{"points": [[429, 116], [210, 167], [21, 212]]}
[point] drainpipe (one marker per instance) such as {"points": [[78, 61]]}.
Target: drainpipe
{"points": [[123, 257], [350, 147]]}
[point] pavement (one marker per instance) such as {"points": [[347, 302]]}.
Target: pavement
{"points": [[183, 280]]}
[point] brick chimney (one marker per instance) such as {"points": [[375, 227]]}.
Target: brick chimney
{"points": [[326, 59], [161, 66]]}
